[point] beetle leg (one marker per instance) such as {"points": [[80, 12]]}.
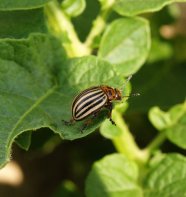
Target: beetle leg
{"points": [[86, 123], [68, 123], [95, 114], [112, 121], [109, 106]]}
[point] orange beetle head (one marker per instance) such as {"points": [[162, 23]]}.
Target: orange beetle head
{"points": [[112, 93]]}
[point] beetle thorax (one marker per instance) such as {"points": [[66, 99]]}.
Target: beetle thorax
{"points": [[112, 93]]}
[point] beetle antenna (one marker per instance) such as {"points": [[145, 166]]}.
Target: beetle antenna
{"points": [[131, 95], [127, 80]]}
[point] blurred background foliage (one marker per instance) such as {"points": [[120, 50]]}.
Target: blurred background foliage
{"points": [[161, 82]]}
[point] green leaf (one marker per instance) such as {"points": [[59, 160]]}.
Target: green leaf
{"points": [[73, 8], [126, 44], [167, 178], [21, 4], [113, 176], [38, 85], [26, 79], [110, 131], [24, 140], [158, 118], [133, 7], [172, 122], [176, 131], [177, 134], [19, 24]]}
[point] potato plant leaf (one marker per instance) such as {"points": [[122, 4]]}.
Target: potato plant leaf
{"points": [[38, 85], [133, 7], [126, 43], [159, 118], [113, 176], [176, 131], [24, 140], [73, 8], [21, 4], [172, 122], [167, 178], [116, 176]]}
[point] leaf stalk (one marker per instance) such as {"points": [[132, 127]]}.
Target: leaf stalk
{"points": [[62, 26], [125, 142]]}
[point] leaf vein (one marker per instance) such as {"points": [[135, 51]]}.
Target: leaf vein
{"points": [[40, 100]]}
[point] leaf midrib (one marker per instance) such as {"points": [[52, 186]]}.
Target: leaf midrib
{"points": [[33, 106]]}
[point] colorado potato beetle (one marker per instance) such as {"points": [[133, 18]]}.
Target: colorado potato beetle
{"points": [[92, 100]]}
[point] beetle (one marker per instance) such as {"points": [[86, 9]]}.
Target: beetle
{"points": [[92, 100]]}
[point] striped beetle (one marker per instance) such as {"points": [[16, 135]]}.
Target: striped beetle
{"points": [[92, 100]]}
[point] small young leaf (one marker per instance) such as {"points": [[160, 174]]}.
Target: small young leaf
{"points": [[134, 7], [177, 134], [158, 118], [21, 4], [73, 7], [172, 122], [167, 178], [113, 176], [126, 44], [176, 131]]}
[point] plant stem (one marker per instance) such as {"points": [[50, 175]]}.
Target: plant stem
{"points": [[62, 26], [99, 24], [98, 27], [125, 142], [156, 143]]}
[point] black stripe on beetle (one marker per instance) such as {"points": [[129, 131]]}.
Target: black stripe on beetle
{"points": [[90, 108], [87, 98]]}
